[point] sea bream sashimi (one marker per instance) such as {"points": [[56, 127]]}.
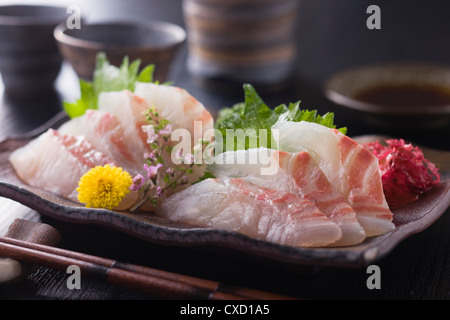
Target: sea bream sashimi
{"points": [[104, 131], [350, 168], [55, 162], [176, 105], [118, 131], [296, 173], [262, 213], [170, 103], [129, 109]]}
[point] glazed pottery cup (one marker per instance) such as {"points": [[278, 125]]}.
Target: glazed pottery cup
{"points": [[29, 58], [241, 40], [153, 42]]}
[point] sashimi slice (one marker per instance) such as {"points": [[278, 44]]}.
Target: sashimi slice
{"points": [[351, 168], [296, 173], [129, 110], [55, 162], [262, 213], [176, 105], [104, 131], [313, 185]]}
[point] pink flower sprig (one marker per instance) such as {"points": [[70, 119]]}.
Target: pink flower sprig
{"points": [[138, 182], [159, 172]]}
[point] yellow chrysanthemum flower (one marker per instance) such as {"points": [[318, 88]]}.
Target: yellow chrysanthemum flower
{"points": [[104, 187]]}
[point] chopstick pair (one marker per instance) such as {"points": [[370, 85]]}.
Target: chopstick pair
{"points": [[159, 283]]}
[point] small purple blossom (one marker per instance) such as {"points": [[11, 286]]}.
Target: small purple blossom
{"points": [[151, 135], [150, 155], [189, 158], [166, 131], [170, 171], [159, 191], [152, 171], [138, 182]]}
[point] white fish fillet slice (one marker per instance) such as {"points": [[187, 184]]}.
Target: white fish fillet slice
{"points": [[297, 174], [176, 105], [262, 213], [104, 131], [352, 169], [129, 110], [55, 162], [183, 111], [312, 184]]}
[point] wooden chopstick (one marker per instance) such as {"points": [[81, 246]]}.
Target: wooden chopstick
{"points": [[160, 283]]}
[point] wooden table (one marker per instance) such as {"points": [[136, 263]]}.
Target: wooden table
{"points": [[331, 37]]}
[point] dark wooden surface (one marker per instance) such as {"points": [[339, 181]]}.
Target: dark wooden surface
{"points": [[332, 35]]}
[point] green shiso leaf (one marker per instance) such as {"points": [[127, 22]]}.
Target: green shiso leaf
{"points": [[107, 77], [254, 114]]}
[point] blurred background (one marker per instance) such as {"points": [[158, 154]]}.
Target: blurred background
{"points": [[331, 36]]}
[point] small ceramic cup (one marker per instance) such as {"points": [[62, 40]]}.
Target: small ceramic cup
{"points": [[153, 42], [29, 58], [405, 95], [241, 41]]}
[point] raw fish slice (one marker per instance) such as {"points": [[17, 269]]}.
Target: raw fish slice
{"points": [[297, 174], [183, 111], [129, 110], [55, 162], [178, 106], [313, 185], [262, 213], [351, 168], [364, 186], [104, 131]]}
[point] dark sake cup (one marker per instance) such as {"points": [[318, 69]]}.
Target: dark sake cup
{"points": [[29, 58], [153, 42]]}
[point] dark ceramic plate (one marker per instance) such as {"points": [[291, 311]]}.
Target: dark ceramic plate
{"points": [[409, 219]]}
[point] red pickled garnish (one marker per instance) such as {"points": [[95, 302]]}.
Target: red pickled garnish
{"points": [[406, 173]]}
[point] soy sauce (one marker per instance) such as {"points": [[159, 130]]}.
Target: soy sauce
{"points": [[408, 95]]}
